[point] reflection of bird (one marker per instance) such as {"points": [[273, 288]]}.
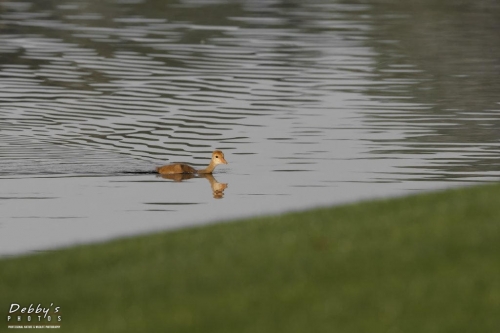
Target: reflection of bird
{"points": [[217, 158], [217, 188]]}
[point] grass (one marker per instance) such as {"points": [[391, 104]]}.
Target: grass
{"points": [[424, 263]]}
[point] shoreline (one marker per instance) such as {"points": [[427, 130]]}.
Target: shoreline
{"points": [[412, 263]]}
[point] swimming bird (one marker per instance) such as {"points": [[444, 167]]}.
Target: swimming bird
{"points": [[176, 168]]}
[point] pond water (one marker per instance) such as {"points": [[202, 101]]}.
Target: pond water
{"points": [[313, 103]]}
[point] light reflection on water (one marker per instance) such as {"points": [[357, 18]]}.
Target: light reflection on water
{"points": [[313, 104]]}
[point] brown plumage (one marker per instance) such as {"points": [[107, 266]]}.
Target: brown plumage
{"points": [[217, 158]]}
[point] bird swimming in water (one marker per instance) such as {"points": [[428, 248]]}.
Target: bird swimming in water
{"points": [[177, 168]]}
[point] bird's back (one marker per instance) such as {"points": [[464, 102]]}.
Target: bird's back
{"points": [[175, 168]]}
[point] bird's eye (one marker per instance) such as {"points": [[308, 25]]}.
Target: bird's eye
{"points": [[216, 156]]}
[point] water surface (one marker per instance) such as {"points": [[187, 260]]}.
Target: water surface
{"points": [[313, 104]]}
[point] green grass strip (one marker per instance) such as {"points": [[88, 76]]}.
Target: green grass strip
{"points": [[425, 263]]}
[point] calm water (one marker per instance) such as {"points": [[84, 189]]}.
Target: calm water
{"points": [[314, 103]]}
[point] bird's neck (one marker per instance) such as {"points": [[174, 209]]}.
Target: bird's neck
{"points": [[208, 169]]}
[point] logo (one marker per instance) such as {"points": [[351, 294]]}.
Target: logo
{"points": [[34, 316]]}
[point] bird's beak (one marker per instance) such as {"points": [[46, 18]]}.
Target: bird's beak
{"points": [[223, 160]]}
